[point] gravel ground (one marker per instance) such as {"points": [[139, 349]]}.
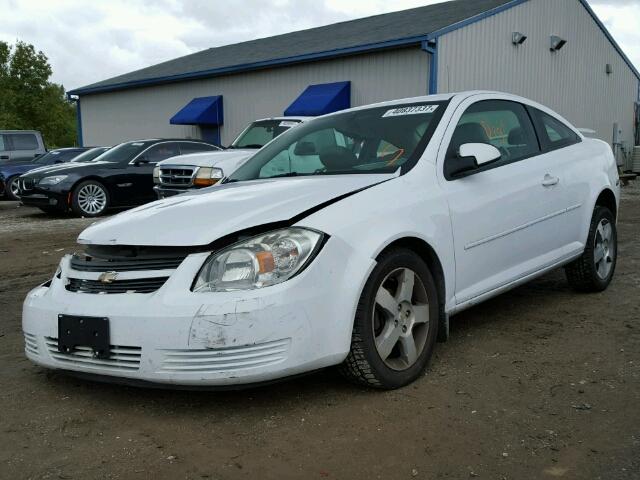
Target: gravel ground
{"points": [[538, 383]]}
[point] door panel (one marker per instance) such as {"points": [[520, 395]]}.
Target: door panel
{"points": [[506, 216], [140, 174]]}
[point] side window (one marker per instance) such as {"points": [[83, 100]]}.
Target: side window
{"points": [[505, 125], [193, 147], [24, 141], [554, 133], [2, 145], [161, 151]]}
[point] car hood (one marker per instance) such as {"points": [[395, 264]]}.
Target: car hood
{"points": [[10, 169], [209, 159], [63, 168], [199, 217]]}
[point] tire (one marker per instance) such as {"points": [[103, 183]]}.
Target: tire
{"points": [[90, 199], [593, 271], [11, 186], [368, 362]]}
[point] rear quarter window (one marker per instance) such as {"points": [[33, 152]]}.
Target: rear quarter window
{"points": [[553, 132]]}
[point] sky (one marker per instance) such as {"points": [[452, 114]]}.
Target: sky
{"points": [[88, 41]]}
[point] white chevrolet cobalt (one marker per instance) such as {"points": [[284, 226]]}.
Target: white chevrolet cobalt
{"points": [[349, 240]]}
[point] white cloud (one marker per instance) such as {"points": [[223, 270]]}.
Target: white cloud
{"points": [[91, 41]]}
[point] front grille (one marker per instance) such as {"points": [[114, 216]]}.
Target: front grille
{"points": [[26, 184], [87, 263], [30, 343], [177, 176], [226, 359], [138, 285], [121, 357]]}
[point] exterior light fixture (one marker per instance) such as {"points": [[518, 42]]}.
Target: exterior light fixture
{"points": [[609, 69], [557, 43], [518, 38]]}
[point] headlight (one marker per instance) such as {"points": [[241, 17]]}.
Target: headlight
{"points": [[258, 262], [208, 176], [156, 175], [54, 180]]}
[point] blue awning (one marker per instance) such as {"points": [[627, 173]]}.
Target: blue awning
{"points": [[321, 99], [200, 111]]}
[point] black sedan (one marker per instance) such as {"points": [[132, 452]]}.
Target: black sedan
{"points": [[120, 177]]}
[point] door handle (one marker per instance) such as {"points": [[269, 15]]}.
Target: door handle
{"points": [[4, 157], [549, 181]]}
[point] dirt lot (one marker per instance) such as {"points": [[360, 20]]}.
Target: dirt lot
{"points": [[538, 383]]}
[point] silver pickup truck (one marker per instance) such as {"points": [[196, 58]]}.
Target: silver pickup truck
{"points": [[198, 170]]}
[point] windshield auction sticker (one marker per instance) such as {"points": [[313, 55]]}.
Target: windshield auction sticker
{"points": [[287, 123], [411, 110]]}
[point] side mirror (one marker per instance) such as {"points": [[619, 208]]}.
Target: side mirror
{"points": [[305, 148], [140, 161], [472, 156]]}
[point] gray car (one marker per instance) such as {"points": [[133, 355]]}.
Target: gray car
{"points": [[20, 145]]}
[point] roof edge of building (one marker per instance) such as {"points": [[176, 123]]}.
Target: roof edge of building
{"points": [[336, 53]]}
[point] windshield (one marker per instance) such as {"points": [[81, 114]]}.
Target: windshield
{"points": [[259, 133], [90, 155], [124, 153], [56, 156], [373, 140]]}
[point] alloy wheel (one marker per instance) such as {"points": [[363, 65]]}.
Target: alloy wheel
{"points": [[604, 249], [14, 187], [92, 199], [401, 319]]}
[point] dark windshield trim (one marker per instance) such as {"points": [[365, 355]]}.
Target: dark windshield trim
{"points": [[426, 138]]}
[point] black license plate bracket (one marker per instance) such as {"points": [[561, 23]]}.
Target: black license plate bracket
{"points": [[78, 331]]}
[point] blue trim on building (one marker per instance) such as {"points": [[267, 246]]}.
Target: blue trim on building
{"points": [[401, 42], [79, 122], [321, 99], [200, 111], [609, 37], [431, 47]]}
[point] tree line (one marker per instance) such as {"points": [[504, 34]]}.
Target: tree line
{"points": [[29, 100]]}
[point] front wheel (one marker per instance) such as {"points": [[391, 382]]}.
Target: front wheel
{"points": [[593, 271], [90, 199], [396, 323], [12, 190]]}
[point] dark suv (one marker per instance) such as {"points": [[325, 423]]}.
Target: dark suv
{"points": [[120, 177]]}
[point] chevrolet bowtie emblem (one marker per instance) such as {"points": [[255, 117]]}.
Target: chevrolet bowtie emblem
{"points": [[107, 277]]}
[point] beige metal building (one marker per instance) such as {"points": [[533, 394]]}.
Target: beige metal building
{"points": [[556, 52]]}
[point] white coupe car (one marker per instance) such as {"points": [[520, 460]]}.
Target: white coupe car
{"points": [[387, 220]]}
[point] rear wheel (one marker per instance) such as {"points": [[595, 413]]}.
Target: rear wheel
{"points": [[90, 199], [593, 271], [396, 323], [12, 190]]}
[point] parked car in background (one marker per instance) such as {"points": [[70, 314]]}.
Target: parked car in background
{"points": [[90, 155], [20, 145], [179, 174], [120, 177], [10, 171], [355, 257]]}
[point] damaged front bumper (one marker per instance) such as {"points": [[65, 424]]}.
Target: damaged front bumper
{"points": [[176, 336]]}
